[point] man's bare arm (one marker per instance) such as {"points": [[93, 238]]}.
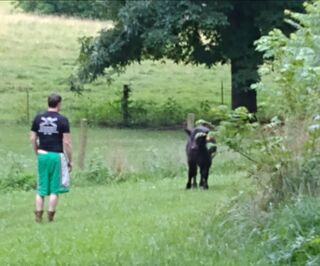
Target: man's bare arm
{"points": [[33, 140], [67, 147]]}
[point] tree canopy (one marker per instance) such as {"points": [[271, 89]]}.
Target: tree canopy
{"points": [[191, 32]]}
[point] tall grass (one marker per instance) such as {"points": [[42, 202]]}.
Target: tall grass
{"points": [[138, 149]]}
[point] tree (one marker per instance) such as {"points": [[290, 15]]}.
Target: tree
{"points": [[188, 31]]}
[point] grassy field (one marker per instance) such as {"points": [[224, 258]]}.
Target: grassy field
{"points": [[134, 148], [39, 53], [129, 205], [148, 220], [144, 223]]}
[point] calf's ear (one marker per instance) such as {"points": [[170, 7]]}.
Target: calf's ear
{"points": [[188, 131]]}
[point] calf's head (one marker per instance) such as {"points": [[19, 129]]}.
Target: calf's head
{"points": [[197, 137]]}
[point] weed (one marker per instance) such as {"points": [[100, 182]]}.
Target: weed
{"points": [[15, 177]]}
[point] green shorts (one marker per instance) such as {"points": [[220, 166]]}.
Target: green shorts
{"points": [[53, 175]]}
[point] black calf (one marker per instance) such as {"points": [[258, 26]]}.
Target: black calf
{"points": [[200, 151]]}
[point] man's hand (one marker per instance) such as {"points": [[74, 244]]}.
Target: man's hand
{"points": [[70, 167], [67, 147], [33, 140]]}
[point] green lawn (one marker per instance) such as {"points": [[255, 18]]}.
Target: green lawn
{"points": [[143, 223], [149, 220]]}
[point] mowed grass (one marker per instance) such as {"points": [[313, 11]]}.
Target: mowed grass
{"points": [[39, 53], [152, 221], [142, 223]]}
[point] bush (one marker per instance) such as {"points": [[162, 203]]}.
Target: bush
{"points": [[22, 181], [292, 234], [284, 152], [15, 177], [293, 64], [97, 174], [286, 235], [142, 113], [170, 113], [283, 155]]}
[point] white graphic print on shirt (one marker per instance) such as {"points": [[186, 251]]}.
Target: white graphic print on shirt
{"points": [[48, 126]]}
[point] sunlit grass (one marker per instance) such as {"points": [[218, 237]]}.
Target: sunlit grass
{"points": [[39, 53], [152, 222]]}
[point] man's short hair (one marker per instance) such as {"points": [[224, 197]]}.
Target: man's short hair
{"points": [[54, 100]]}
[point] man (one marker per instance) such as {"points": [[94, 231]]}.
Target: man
{"points": [[50, 138]]}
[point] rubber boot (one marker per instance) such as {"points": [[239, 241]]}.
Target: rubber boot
{"points": [[38, 215], [51, 215]]}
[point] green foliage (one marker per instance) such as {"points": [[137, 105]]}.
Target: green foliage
{"points": [[14, 175], [292, 235], [284, 159], [185, 31], [218, 113], [95, 174], [287, 235], [294, 63], [53, 60], [169, 113], [291, 146], [235, 129], [96, 9], [284, 152]]}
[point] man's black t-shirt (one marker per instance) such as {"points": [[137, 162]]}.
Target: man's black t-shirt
{"points": [[50, 127]]}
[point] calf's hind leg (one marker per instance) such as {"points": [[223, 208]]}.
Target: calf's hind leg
{"points": [[192, 174]]}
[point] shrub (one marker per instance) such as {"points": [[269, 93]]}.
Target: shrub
{"points": [[142, 113], [283, 156], [14, 176], [293, 63], [170, 113], [284, 153], [97, 174], [23, 181], [292, 234]]}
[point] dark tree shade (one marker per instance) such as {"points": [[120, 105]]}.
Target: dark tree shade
{"points": [[188, 31]]}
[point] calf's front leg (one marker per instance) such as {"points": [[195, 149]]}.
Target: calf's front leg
{"points": [[192, 174], [204, 172]]}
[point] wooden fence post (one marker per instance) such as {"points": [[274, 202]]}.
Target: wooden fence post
{"points": [[82, 143], [190, 120]]}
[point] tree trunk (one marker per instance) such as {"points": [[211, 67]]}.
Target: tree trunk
{"points": [[244, 59], [241, 93]]}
